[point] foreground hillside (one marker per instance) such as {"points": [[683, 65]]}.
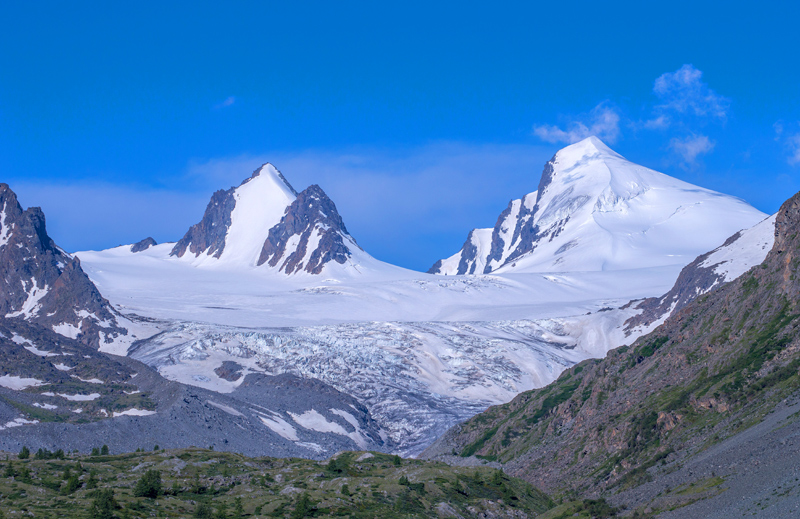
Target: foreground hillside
{"points": [[712, 371], [204, 483]]}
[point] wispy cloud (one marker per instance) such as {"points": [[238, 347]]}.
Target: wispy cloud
{"points": [[684, 92], [778, 127], [229, 101], [685, 104], [690, 148], [602, 121], [793, 142], [410, 206], [111, 214]]}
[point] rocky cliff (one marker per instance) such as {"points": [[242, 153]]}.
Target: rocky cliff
{"points": [[41, 283]]}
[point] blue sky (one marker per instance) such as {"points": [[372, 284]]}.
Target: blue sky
{"points": [[420, 121]]}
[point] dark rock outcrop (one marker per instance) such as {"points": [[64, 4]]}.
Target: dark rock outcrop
{"points": [[143, 245], [693, 281], [524, 239], [41, 283], [314, 220], [209, 234]]}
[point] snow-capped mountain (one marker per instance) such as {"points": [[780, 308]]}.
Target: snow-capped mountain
{"points": [[596, 211], [43, 284], [265, 222]]}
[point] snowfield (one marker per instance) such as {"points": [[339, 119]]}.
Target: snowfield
{"points": [[423, 352]]}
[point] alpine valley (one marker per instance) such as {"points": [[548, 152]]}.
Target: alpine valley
{"points": [[614, 339]]}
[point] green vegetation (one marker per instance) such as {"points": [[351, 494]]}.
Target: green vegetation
{"points": [[207, 484]]}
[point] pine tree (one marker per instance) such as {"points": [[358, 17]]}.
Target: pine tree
{"points": [[149, 485], [103, 505], [238, 509], [91, 481], [25, 453]]}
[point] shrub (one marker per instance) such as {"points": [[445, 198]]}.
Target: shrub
{"points": [[103, 505], [303, 507], [203, 511], [149, 485], [91, 481]]}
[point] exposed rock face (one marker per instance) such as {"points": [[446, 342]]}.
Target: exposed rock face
{"points": [[725, 359], [43, 284], [310, 235], [209, 235], [143, 245]]}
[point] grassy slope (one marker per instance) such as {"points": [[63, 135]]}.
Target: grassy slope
{"points": [[378, 485], [712, 370]]}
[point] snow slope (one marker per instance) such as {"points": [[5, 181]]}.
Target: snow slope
{"points": [[420, 351], [595, 210]]}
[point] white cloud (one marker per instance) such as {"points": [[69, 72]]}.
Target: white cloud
{"points": [[602, 122], [691, 147], [229, 101], [684, 92], [794, 149], [778, 127], [657, 123]]}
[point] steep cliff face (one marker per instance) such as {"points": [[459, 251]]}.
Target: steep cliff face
{"points": [[714, 367], [310, 235], [43, 284], [594, 210]]}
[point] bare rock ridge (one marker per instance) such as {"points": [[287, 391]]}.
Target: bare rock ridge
{"points": [[631, 426], [320, 232], [209, 234], [143, 245], [43, 284]]}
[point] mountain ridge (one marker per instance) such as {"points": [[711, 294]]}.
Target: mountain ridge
{"points": [[594, 210]]}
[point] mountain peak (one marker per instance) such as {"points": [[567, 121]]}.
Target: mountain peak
{"points": [[41, 283], [269, 172], [595, 210], [587, 149], [236, 221]]}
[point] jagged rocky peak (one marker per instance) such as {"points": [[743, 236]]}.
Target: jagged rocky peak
{"points": [[594, 210], [143, 245], [265, 223], [236, 218], [310, 235], [43, 284]]}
